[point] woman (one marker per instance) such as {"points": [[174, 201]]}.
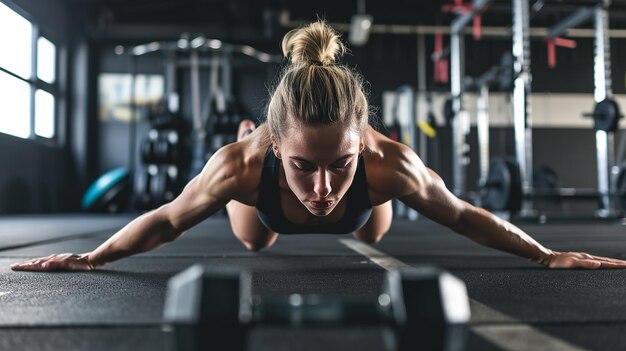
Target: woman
{"points": [[315, 166]]}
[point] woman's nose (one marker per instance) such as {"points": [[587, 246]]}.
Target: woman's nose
{"points": [[322, 185]]}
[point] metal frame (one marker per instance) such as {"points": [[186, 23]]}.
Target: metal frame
{"points": [[460, 121], [482, 126], [520, 100], [605, 146]]}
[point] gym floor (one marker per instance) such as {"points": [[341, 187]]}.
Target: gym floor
{"points": [[516, 305]]}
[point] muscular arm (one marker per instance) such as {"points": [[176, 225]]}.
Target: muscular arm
{"points": [[202, 197], [158, 227], [436, 202], [420, 188]]}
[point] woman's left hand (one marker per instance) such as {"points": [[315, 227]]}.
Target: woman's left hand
{"points": [[583, 260]]}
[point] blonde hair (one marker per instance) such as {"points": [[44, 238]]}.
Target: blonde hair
{"points": [[314, 89]]}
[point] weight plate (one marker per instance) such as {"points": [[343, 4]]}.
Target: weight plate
{"points": [[606, 115], [503, 187], [545, 178]]}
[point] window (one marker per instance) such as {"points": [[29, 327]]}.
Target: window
{"points": [[28, 89], [46, 60], [14, 106], [15, 38]]}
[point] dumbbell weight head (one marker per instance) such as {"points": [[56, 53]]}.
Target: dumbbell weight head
{"points": [[172, 185], [143, 198], [147, 151], [157, 187], [161, 150], [430, 307], [173, 147], [208, 306]]}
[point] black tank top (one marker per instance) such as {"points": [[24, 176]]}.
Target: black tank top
{"points": [[268, 208]]}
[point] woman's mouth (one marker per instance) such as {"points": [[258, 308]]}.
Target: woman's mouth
{"points": [[321, 205]]}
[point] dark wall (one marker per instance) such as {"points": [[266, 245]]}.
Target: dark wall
{"points": [[32, 177]]}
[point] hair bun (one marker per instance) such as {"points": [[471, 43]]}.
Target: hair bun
{"points": [[315, 44]]}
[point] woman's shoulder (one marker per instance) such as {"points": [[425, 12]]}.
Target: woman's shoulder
{"points": [[242, 163], [383, 152], [389, 166]]}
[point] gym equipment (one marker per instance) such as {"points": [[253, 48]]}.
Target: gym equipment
{"points": [[606, 115], [161, 147], [502, 75], [506, 74], [167, 143], [448, 113], [421, 308], [552, 43], [545, 178], [157, 186], [503, 190], [440, 60], [109, 193], [459, 117], [503, 186]]}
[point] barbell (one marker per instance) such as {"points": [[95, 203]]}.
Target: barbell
{"points": [[503, 189]]}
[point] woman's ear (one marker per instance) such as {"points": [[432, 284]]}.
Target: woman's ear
{"points": [[361, 146], [275, 147]]}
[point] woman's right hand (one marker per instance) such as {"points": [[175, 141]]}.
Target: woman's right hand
{"points": [[56, 262]]}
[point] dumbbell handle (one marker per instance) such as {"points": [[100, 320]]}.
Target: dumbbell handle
{"points": [[316, 310]]}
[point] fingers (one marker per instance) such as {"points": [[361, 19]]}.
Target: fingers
{"points": [[612, 265], [607, 259], [585, 261], [604, 262], [34, 265], [587, 264], [56, 262]]}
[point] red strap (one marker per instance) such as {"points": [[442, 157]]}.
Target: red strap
{"points": [[441, 71], [566, 43], [553, 43], [476, 29], [551, 54], [462, 8], [459, 7], [438, 43]]}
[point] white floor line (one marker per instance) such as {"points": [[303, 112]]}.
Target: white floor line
{"points": [[511, 336], [4, 293]]}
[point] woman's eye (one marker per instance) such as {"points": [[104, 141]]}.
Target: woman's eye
{"points": [[343, 165], [302, 167]]}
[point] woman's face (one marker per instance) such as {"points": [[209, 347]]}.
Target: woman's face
{"points": [[320, 163]]}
